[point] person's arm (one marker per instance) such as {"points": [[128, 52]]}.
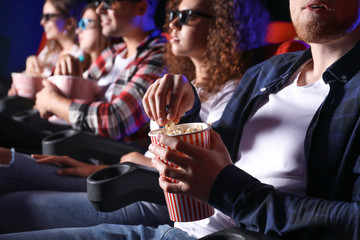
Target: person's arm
{"points": [[260, 207], [208, 175], [124, 115], [136, 157], [68, 165]]}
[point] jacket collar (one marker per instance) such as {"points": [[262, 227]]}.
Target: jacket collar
{"points": [[341, 71], [344, 68]]}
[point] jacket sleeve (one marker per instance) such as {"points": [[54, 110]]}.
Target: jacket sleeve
{"points": [[124, 115], [193, 115], [260, 207]]}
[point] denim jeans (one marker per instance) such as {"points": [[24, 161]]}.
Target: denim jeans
{"points": [[104, 232], [25, 174], [35, 210], [34, 197]]}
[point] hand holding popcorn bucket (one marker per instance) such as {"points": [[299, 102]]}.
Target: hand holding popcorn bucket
{"points": [[74, 87], [183, 208], [27, 85]]}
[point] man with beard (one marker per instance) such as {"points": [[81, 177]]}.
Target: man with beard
{"points": [[292, 130]]}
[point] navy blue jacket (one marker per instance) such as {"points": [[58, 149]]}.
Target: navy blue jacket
{"points": [[330, 209]]}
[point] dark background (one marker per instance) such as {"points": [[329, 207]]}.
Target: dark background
{"points": [[20, 33]]}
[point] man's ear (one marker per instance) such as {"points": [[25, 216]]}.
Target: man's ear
{"points": [[142, 7]]}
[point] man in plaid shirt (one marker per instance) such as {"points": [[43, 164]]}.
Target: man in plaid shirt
{"points": [[128, 69], [123, 115]]}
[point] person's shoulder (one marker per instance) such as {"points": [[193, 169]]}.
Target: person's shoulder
{"points": [[157, 39], [279, 62]]}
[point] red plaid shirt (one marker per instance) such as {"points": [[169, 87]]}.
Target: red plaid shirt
{"points": [[124, 115]]}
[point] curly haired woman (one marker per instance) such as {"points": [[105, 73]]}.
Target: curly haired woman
{"points": [[213, 49], [208, 40]]}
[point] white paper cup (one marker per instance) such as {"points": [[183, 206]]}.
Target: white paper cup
{"points": [[27, 85], [183, 208]]}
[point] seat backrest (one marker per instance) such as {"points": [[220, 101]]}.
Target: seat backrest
{"points": [[42, 43], [280, 31]]}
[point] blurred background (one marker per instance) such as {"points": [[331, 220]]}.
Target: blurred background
{"points": [[20, 33]]}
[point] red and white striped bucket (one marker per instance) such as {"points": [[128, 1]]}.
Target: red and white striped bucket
{"points": [[27, 85], [76, 87], [183, 208]]}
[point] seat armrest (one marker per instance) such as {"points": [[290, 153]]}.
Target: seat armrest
{"points": [[84, 146], [12, 104], [121, 184], [31, 117]]}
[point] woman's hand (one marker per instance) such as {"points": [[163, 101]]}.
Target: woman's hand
{"points": [[168, 99], [197, 169], [33, 66], [69, 166], [12, 91], [68, 65]]}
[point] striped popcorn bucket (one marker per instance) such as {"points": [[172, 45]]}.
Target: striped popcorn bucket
{"points": [[183, 208], [27, 85], [76, 87]]}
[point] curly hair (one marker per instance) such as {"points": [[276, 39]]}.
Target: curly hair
{"points": [[237, 26]]}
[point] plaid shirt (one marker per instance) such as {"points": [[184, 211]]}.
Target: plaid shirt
{"points": [[331, 207], [124, 115]]}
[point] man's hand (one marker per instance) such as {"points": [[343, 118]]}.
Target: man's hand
{"points": [[168, 99], [45, 99], [68, 65], [197, 169], [69, 166]]}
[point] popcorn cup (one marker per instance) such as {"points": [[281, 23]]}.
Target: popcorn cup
{"points": [[183, 208], [27, 85], [76, 87]]}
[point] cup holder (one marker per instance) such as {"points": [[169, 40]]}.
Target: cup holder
{"points": [[60, 136], [85, 146], [29, 116], [117, 186], [110, 173], [11, 105]]}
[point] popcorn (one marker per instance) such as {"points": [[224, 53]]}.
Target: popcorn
{"points": [[172, 129]]}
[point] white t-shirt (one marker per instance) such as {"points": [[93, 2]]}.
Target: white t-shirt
{"points": [[108, 81], [272, 145]]}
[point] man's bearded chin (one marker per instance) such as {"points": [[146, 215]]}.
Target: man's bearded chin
{"points": [[319, 32]]}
